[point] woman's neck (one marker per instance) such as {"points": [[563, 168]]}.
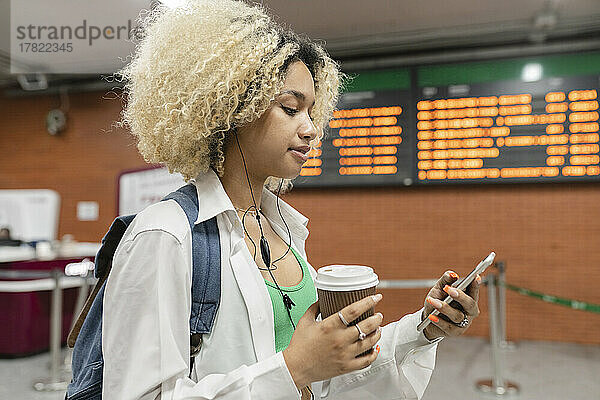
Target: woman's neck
{"points": [[236, 187], [235, 182]]}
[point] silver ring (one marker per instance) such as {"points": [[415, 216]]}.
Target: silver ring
{"points": [[361, 334], [343, 319], [463, 323]]}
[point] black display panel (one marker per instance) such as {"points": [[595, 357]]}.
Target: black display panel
{"points": [[510, 131], [370, 142]]}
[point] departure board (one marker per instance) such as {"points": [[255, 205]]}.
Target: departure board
{"points": [[514, 120], [509, 131]]}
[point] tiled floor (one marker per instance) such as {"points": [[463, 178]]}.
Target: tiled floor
{"points": [[543, 371]]}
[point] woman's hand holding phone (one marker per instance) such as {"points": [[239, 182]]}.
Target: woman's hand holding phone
{"points": [[463, 307]]}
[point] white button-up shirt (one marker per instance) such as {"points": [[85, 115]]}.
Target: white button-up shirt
{"points": [[147, 303]]}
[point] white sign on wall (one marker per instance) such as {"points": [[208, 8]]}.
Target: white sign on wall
{"points": [[139, 189], [87, 210], [30, 214]]}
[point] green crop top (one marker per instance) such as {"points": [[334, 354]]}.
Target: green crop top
{"points": [[303, 295]]}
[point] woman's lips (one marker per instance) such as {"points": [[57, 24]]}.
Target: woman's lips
{"points": [[301, 156]]}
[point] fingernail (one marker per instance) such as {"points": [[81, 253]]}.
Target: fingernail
{"points": [[478, 280], [377, 297], [380, 314], [454, 275], [434, 302], [433, 318], [451, 291]]}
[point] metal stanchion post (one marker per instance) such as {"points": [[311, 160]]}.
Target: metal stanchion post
{"points": [[503, 343], [497, 386], [55, 382]]}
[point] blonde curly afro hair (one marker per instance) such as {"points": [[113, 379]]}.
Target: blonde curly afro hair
{"points": [[207, 67]]}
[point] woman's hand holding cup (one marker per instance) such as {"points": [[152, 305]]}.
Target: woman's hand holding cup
{"points": [[343, 341], [320, 350]]}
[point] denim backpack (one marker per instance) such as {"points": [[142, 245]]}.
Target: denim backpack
{"points": [[86, 336]]}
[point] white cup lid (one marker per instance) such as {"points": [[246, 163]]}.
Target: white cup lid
{"points": [[345, 277]]}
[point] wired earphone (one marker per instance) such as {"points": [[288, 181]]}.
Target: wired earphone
{"points": [[265, 252]]}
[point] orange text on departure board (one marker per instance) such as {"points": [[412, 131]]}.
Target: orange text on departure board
{"points": [[455, 136], [368, 140]]}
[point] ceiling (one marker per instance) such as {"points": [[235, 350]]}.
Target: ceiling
{"points": [[355, 30], [425, 24]]}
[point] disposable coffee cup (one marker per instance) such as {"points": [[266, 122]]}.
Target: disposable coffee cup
{"points": [[339, 286]]}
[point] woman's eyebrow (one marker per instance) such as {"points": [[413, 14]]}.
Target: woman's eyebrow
{"points": [[297, 94]]}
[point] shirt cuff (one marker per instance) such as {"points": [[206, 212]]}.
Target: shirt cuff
{"points": [[272, 379], [422, 339], [288, 374]]}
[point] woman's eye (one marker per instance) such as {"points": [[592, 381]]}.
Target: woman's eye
{"points": [[289, 111]]}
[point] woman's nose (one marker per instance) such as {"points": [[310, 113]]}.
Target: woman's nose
{"points": [[308, 129]]}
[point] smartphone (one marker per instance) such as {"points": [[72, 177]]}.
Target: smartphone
{"points": [[462, 285]]}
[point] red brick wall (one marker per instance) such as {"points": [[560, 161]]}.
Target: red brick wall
{"points": [[548, 235], [81, 164]]}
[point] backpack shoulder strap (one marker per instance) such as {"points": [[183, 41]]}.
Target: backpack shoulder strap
{"points": [[206, 260], [104, 258], [102, 266]]}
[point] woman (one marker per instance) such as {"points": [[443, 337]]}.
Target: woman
{"points": [[221, 94]]}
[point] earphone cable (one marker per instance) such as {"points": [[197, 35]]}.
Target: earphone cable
{"points": [[286, 299], [249, 237], [286, 225], [249, 184]]}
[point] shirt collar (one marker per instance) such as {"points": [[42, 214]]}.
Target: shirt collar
{"points": [[294, 219], [213, 200]]}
